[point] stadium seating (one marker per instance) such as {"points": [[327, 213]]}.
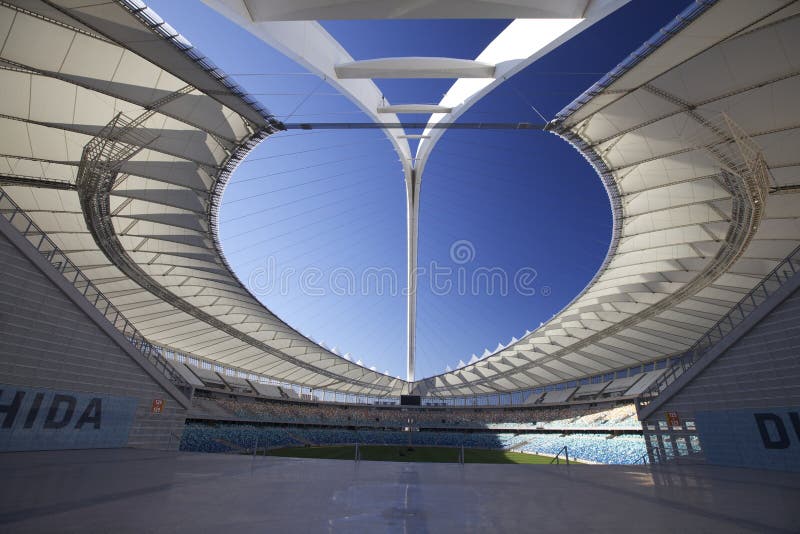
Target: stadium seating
{"points": [[233, 438], [600, 448], [573, 416], [617, 418]]}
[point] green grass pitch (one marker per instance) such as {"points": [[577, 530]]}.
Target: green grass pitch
{"points": [[416, 454]]}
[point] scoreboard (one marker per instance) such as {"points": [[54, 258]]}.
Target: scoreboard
{"points": [[410, 400]]}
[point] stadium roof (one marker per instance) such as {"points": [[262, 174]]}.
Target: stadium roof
{"points": [[118, 139], [695, 136], [146, 232]]}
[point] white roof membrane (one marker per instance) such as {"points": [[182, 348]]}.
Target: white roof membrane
{"points": [[695, 140]]}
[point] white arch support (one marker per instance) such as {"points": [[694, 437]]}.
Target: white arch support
{"points": [[518, 46], [273, 10], [415, 67], [546, 25], [310, 45]]}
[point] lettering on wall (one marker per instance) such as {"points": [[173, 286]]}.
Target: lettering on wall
{"points": [[773, 431], [762, 438], [42, 419]]}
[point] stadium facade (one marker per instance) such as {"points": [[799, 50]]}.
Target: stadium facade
{"points": [[119, 137]]}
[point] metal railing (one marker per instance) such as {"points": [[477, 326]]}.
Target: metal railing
{"points": [[20, 220], [776, 278]]}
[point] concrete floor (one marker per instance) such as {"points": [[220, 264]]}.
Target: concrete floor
{"points": [[145, 491]]}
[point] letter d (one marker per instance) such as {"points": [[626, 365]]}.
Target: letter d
{"points": [[52, 413], [783, 439]]}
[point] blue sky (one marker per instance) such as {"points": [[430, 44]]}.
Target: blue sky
{"points": [[322, 213]]}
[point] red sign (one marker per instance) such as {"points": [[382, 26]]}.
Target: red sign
{"points": [[673, 420], [158, 406]]}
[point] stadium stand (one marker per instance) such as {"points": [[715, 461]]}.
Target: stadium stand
{"points": [[586, 416], [110, 250], [618, 418], [230, 438], [599, 448]]}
